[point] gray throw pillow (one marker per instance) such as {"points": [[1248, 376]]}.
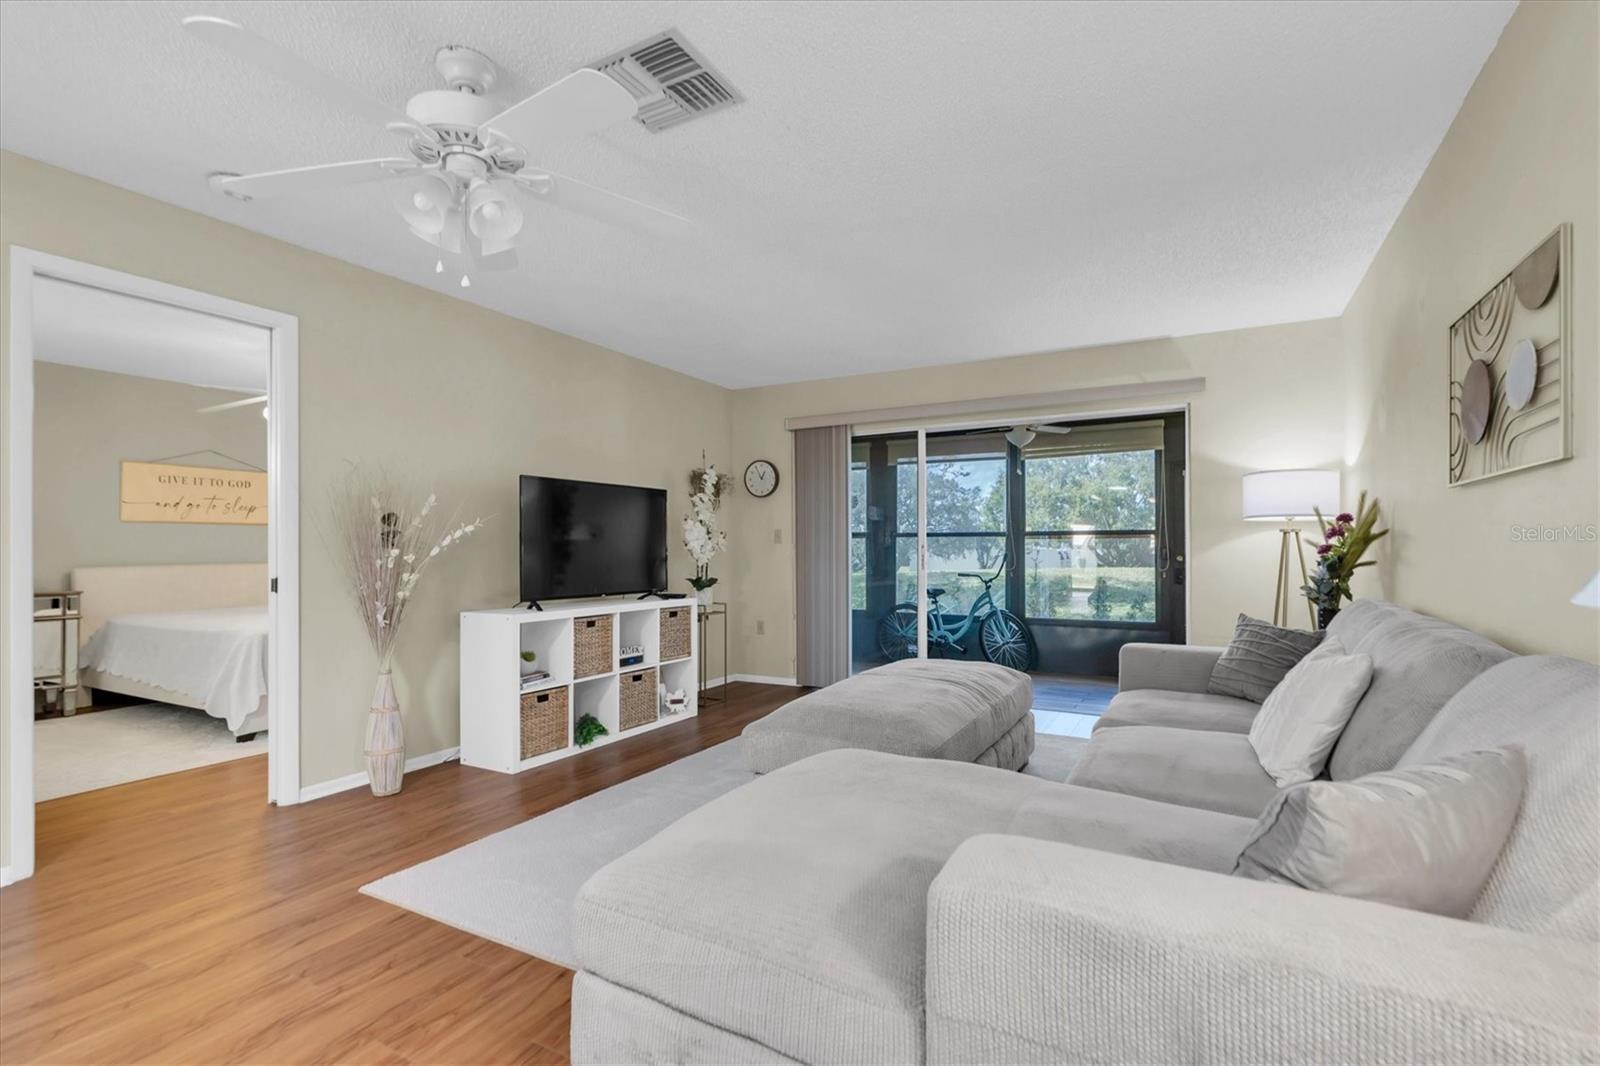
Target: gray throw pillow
{"points": [[1257, 657], [1425, 837]]}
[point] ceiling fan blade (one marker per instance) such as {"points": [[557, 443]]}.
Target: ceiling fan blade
{"points": [[1052, 429], [582, 199], [502, 259], [254, 48], [584, 101], [312, 179], [231, 405]]}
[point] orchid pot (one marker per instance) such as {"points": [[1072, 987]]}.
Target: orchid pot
{"points": [[702, 534]]}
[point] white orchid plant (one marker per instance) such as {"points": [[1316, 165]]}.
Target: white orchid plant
{"points": [[702, 534], [388, 536]]}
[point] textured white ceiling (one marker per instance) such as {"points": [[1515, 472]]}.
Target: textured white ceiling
{"points": [[83, 326], [906, 185]]}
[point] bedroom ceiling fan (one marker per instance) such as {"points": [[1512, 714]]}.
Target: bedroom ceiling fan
{"points": [[231, 404], [460, 188]]}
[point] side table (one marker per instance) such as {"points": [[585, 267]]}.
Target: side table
{"points": [[703, 614]]}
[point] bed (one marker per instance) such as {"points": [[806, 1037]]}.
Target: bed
{"points": [[190, 635]]}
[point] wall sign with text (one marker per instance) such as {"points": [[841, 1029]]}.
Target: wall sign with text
{"points": [[197, 495]]}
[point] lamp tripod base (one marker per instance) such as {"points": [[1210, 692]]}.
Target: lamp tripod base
{"points": [[1283, 596]]}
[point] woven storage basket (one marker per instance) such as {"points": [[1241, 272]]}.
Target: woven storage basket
{"points": [[675, 622], [591, 646], [544, 721], [639, 700]]}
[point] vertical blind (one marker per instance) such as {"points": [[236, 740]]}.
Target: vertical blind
{"points": [[822, 554]]}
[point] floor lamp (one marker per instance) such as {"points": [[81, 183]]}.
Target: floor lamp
{"points": [[1290, 497]]}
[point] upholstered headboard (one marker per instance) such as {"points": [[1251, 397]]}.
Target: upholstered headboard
{"points": [[109, 591]]}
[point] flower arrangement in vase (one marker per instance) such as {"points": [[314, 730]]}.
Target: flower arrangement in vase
{"points": [[702, 534], [1344, 541], [387, 537]]}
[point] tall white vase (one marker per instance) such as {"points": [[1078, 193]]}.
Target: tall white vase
{"points": [[386, 739]]}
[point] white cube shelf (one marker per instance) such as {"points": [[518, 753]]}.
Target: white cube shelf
{"points": [[492, 643]]}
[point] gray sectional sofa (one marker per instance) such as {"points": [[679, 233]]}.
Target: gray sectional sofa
{"points": [[863, 907]]}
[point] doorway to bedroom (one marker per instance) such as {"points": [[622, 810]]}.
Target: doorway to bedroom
{"points": [[149, 538], [150, 460]]}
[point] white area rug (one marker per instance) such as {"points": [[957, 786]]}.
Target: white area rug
{"points": [[516, 887], [104, 748]]}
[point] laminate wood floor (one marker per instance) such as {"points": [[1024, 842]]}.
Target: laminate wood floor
{"points": [[1070, 706], [181, 919]]}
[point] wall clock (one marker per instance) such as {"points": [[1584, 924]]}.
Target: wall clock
{"points": [[761, 478]]}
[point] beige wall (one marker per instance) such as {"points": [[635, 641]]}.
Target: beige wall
{"points": [[1519, 159], [85, 423], [1272, 399], [463, 398]]}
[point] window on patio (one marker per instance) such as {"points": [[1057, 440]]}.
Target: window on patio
{"points": [[1089, 540]]}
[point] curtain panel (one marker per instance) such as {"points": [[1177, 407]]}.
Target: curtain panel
{"points": [[822, 554]]}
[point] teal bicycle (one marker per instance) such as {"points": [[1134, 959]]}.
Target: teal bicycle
{"points": [[1002, 636]]}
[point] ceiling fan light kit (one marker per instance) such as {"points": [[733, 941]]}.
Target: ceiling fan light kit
{"points": [[459, 190]]}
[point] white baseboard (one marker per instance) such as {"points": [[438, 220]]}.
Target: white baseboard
{"points": [[359, 780], [6, 877], [763, 679]]}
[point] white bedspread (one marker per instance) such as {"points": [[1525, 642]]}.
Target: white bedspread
{"points": [[216, 656]]}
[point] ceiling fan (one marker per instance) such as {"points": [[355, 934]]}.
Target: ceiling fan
{"points": [[459, 188], [231, 404], [1022, 436]]}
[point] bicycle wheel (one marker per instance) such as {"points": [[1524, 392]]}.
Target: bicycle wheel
{"points": [[1007, 640], [897, 632]]}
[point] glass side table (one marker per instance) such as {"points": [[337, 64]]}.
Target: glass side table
{"points": [[703, 614], [56, 675]]}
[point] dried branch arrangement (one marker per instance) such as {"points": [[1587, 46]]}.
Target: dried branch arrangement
{"points": [[387, 535]]}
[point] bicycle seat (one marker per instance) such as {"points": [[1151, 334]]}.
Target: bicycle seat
{"points": [[934, 594]]}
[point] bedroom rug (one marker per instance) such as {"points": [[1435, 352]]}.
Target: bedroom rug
{"points": [[516, 887], [103, 748]]}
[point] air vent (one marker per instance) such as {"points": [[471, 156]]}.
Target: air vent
{"points": [[669, 80]]}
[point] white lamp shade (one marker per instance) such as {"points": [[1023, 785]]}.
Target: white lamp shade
{"points": [[1276, 495], [1589, 595]]}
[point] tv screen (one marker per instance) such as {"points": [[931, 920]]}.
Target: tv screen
{"points": [[582, 538]]}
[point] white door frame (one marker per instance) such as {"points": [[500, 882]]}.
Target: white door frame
{"points": [[922, 543], [283, 527]]}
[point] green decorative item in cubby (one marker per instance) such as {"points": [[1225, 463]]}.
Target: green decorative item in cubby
{"points": [[529, 656], [588, 730]]}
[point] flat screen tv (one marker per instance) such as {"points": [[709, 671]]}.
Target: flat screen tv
{"points": [[583, 538]]}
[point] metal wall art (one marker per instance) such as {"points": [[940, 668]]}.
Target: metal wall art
{"points": [[1510, 407]]}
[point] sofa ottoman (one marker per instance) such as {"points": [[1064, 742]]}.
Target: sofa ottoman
{"points": [[931, 709]]}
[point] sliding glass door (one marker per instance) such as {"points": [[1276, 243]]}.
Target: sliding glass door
{"points": [[1099, 523], [1042, 546], [885, 493]]}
